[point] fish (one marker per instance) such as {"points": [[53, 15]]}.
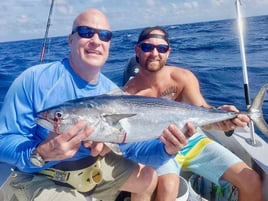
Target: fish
{"points": [[132, 118]]}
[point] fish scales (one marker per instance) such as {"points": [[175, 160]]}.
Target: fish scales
{"points": [[130, 118]]}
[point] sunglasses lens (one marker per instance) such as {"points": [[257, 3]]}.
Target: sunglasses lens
{"points": [[85, 32], [88, 32], [105, 35], [162, 48], [148, 47]]}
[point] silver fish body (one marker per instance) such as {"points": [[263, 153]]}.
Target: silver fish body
{"points": [[130, 118]]}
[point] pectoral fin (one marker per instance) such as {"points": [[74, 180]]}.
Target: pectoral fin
{"points": [[113, 119]]}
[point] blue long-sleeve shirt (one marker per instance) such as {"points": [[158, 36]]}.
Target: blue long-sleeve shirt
{"points": [[41, 87]]}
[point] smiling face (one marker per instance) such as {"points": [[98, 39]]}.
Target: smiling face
{"points": [[152, 60], [89, 53]]}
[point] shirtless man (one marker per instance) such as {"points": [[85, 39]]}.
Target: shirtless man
{"points": [[156, 79]]}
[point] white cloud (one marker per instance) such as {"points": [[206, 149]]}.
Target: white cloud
{"points": [[22, 19], [28, 18], [191, 5], [150, 2]]}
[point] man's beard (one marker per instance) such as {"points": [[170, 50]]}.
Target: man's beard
{"points": [[154, 67]]}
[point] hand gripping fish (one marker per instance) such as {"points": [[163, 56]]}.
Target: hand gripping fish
{"points": [[131, 118]]}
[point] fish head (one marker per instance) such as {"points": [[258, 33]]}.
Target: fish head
{"points": [[58, 119]]}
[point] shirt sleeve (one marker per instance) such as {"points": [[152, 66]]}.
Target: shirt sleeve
{"points": [[18, 128], [151, 152]]}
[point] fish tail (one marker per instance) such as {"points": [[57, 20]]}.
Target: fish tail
{"points": [[255, 110]]}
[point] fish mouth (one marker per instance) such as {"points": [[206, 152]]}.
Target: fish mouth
{"points": [[44, 123]]}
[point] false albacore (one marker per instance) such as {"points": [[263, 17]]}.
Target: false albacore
{"points": [[128, 118]]}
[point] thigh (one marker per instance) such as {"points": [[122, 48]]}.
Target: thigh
{"points": [[116, 170], [32, 187], [212, 162]]}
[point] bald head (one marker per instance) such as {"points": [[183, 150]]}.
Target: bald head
{"points": [[92, 17]]}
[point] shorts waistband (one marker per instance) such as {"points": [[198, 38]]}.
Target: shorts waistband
{"points": [[83, 180], [77, 164]]}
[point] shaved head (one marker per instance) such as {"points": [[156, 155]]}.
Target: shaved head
{"points": [[94, 17]]}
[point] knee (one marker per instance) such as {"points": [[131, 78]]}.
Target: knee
{"points": [[168, 184], [143, 180], [253, 182], [251, 188], [243, 177], [149, 178]]}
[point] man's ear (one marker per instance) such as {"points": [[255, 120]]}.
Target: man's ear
{"points": [[70, 39], [169, 50], [137, 49]]}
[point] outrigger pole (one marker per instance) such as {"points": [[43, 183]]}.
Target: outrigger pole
{"points": [[244, 67], [46, 33]]}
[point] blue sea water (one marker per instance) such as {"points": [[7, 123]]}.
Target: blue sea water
{"points": [[209, 49]]}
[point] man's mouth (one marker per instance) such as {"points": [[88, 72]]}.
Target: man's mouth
{"points": [[93, 52]]}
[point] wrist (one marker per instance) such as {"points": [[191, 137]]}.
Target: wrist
{"points": [[37, 159]]}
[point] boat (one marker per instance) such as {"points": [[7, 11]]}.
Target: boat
{"points": [[244, 142]]}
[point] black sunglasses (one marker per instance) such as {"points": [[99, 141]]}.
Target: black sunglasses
{"points": [[148, 47], [88, 32]]}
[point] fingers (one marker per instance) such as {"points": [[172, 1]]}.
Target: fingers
{"points": [[225, 125], [241, 120], [79, 132], [229, 108], [87, 143], [66, 144], [173, 139], [98, 148], [190, 129]]}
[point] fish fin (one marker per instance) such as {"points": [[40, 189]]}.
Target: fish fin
{"points": [[255, 110], [114, 147], [113, 119]]}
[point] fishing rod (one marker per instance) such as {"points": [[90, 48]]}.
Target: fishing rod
{"points": [[46, 33], [238, 3]]}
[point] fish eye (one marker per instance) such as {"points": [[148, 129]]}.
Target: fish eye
{"points": [[58, 115]]}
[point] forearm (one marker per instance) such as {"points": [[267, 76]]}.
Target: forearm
{"points": [[15, 150]]}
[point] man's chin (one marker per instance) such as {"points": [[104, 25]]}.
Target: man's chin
{"points": [[153, 68], [95, 62]]}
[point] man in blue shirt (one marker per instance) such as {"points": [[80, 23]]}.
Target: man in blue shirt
{"points": [[65, 166]]}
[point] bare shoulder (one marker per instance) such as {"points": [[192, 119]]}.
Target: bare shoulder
{"points": [[179, 73], [132, 86]]}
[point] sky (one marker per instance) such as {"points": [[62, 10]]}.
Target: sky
{"points": [[27, 19]]}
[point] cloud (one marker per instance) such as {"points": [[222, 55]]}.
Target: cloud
{"points": [[22, 19], [27, 19], [191, 5]]}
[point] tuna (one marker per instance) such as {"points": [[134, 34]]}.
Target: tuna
{"points": [[131, 118]]}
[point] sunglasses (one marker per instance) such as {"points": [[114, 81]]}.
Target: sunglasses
{"points": [[88, 32], [148, 47]]}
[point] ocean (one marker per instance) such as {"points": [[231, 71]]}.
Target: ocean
{"points": [[209, 49]]}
